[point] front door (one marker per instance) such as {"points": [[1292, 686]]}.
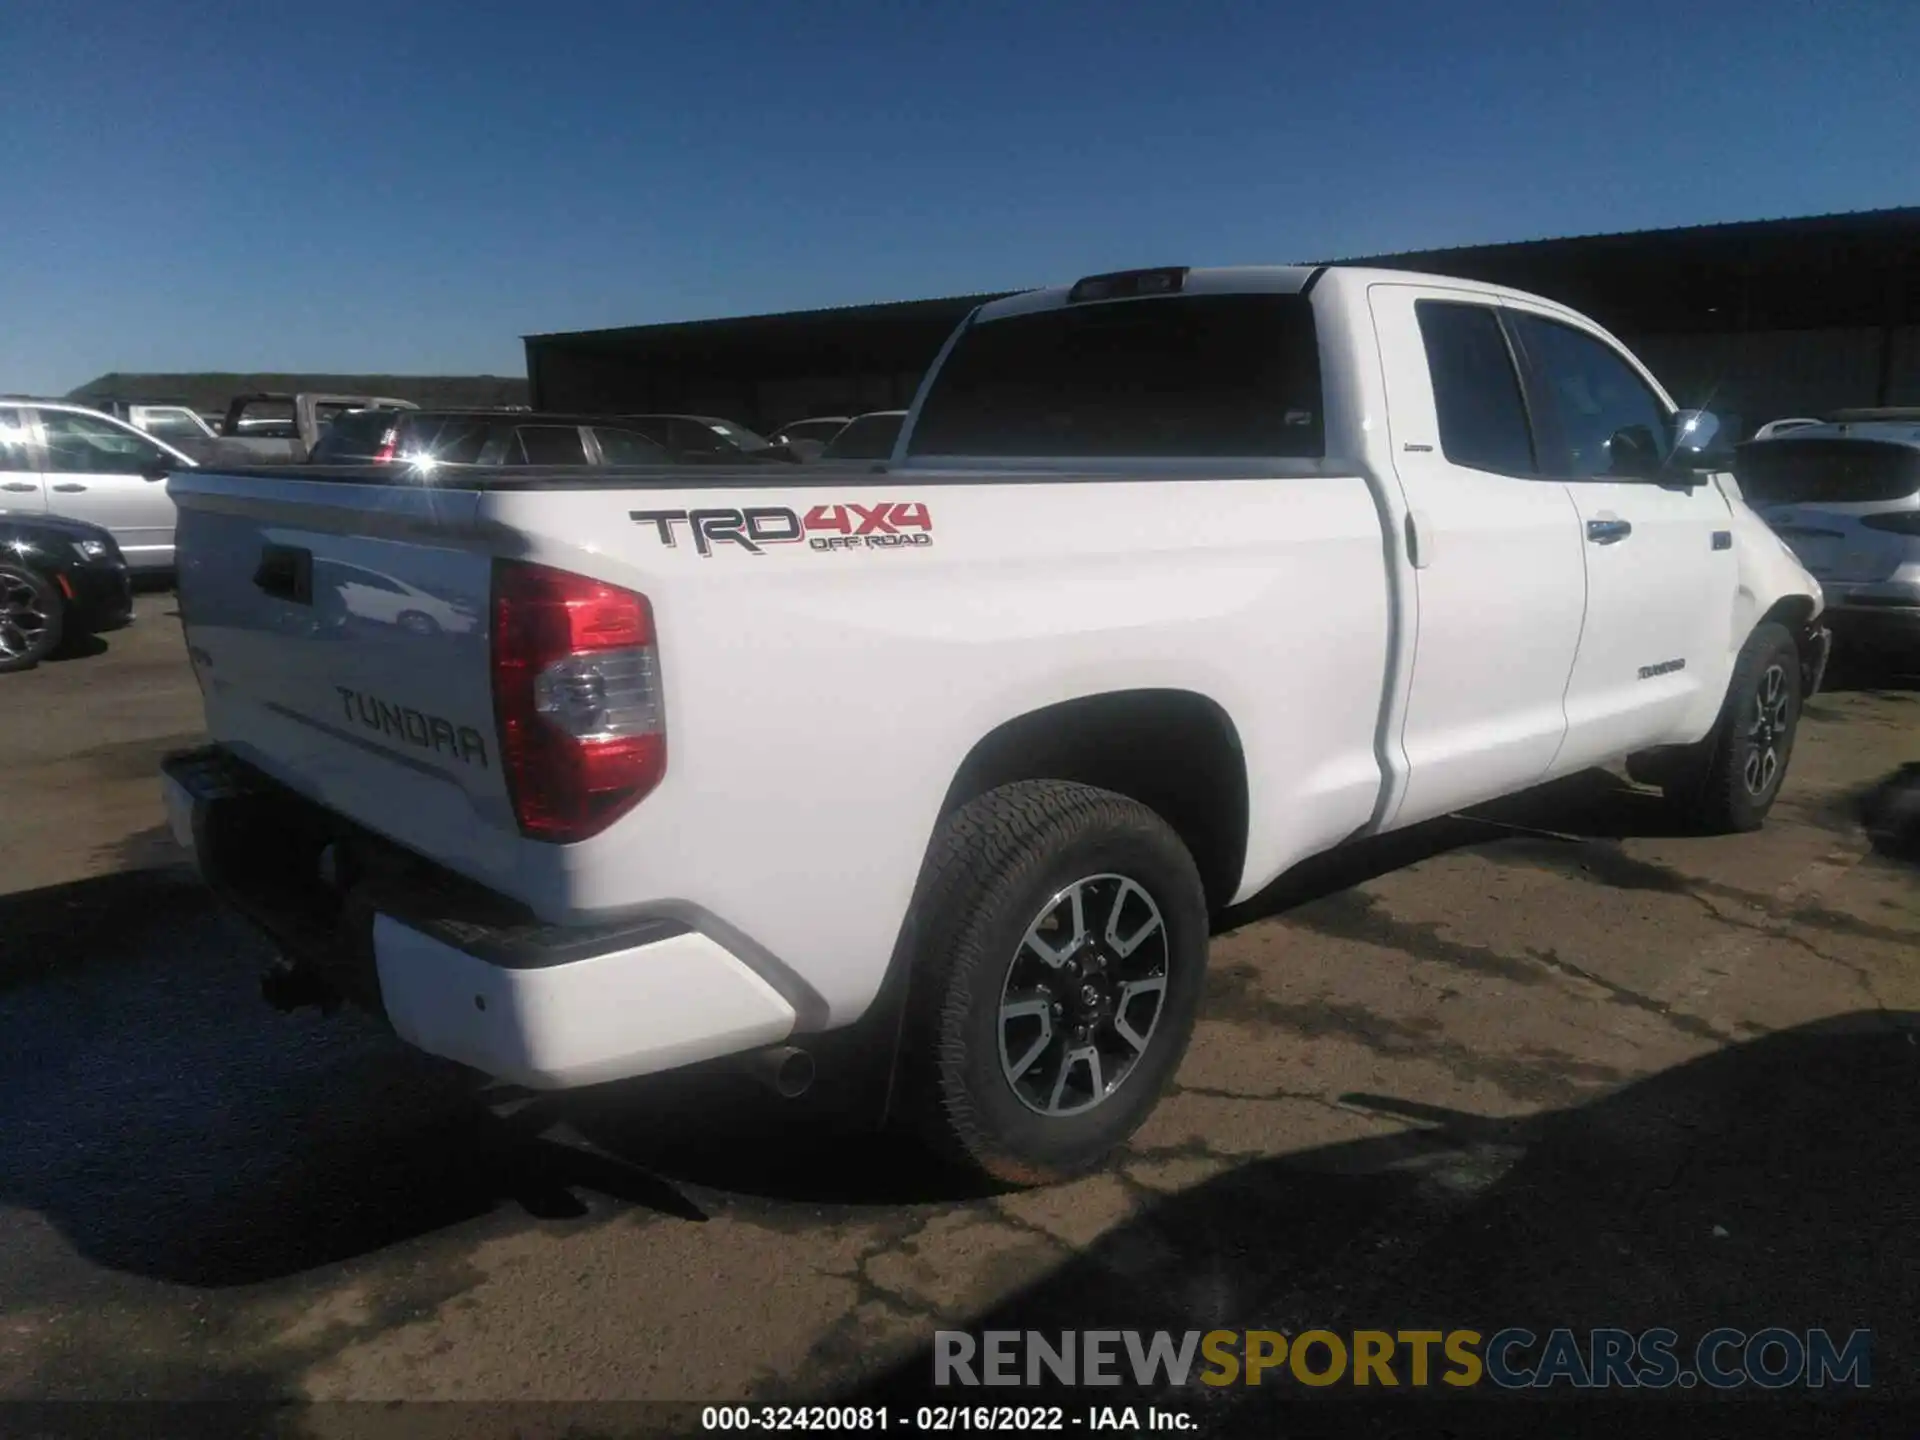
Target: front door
{"points": [[1497, 555], [20, 486], [112, 476], [1661, 572]]}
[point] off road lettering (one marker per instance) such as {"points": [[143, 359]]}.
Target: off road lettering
{"points": [[849, 526]]}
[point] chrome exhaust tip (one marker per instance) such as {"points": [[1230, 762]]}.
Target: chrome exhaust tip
{"points": [[786, 1070]]}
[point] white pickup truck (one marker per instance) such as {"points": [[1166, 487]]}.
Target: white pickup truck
{"points": [[1174, 579]]}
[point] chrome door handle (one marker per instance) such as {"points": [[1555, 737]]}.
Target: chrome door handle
{"points": [[69, 486], [1608, 532], [19, 485]]}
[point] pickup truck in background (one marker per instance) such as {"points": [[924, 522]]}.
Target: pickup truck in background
{"points": [[1173, 579], [270, 429]]}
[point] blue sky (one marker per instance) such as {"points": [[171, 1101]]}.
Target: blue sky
{"points": [[409, 187]]}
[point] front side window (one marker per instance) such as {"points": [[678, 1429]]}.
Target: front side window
{"points": [[1600, 420], [89, 445], [1476, 391], [1181, 376]]}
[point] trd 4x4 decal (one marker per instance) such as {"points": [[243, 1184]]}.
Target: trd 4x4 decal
{"points": [[888, 525]]}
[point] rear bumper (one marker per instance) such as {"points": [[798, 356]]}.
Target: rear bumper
{"points": [[455, 970]]}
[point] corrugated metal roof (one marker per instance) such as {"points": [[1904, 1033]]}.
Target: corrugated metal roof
{"points": [[1786, 224], [864, 308]]}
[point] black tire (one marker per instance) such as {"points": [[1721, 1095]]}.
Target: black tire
{"points": [[990, 875], [416, 622], [33, 618], [1728, 783]]}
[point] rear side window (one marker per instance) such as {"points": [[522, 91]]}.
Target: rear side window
{"points": [[546, 445], [1191, 375], [1476, 390]]}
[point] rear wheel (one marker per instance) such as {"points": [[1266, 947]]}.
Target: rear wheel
{"points": [[1054, 991], [1729, 782], [32, 618]]}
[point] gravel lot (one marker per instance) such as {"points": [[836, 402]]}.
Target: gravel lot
{"points": [[1474, 1075]]}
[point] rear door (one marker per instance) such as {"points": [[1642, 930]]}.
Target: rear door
{"points": [[21, 487], [1660, 567], [1497, 554], [99, 470]]}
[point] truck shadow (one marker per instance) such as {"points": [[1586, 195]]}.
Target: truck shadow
{"points": [[170, 1125], [1769, 1183], [1579, 814]]}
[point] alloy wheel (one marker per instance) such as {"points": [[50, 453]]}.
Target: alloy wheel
{"points": [[1084, 995]]}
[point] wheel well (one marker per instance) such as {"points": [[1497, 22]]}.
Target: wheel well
{"points": [[1796, 613], [1174, 751], [1792, 611]]}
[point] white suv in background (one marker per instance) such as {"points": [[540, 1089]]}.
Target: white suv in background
{"points": [[1864, 552], [58, 458]]}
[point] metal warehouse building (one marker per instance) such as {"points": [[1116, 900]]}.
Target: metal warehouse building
{"points": [[1756, 320]]}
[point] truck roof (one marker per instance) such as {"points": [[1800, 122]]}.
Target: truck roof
{"points": [[1220, 280]]}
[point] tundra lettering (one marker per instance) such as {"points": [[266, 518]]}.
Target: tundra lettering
{"points": [[402, 722]]}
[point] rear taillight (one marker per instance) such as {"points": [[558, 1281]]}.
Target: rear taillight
{"points": [[389, 443], [576, 693]]}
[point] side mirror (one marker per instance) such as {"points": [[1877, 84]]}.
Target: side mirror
{"points": [[1701, 444], [158, 469]]}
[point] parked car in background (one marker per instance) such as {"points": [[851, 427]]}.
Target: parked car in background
{"points": [[866, 437], [1781, 427], [1297, 557], [272, 429], [59, 579], [430, 438], [59, 458], [1844, 494], [685, 436]]}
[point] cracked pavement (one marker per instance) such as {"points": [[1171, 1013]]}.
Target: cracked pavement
{"points": [[1513, 1067]]}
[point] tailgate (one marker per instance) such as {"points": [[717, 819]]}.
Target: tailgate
{"points": [[339, 634]]}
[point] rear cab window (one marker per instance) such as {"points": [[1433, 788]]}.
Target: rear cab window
{"points": [[1476, 388], [1233, 375]]}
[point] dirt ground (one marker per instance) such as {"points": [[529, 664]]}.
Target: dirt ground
{"points": [[1476, 1074]]}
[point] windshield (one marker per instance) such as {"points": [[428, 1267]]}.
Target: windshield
{"points": [[737, 435], [1191, 375]]}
